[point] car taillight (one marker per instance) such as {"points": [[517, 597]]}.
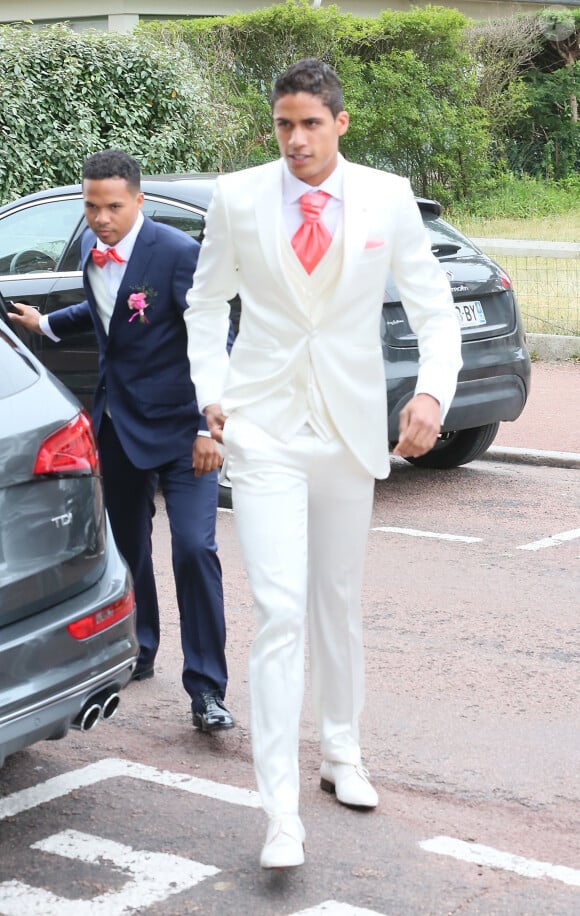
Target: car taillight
{"points": [[72, 448], [506, 281], [104, 618]]}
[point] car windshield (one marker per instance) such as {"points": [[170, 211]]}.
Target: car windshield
{"points": [[33, 239]]}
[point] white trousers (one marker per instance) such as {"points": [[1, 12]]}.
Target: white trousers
{"points": [[302, 511]]}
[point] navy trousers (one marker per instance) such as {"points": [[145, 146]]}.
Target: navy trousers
{"points": [[191, 504]]}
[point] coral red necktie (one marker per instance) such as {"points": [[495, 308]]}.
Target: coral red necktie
{"points": [[311, 240], [109, 254]]}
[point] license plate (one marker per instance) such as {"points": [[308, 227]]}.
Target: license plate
{"points": [[470, 314]]}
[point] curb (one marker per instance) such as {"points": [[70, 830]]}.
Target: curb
{"points": [[552, 347], [532, 456]]}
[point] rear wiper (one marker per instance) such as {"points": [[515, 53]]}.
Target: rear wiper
{"points": [[444, 250]]}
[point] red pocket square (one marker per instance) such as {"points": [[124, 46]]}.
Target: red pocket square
{"points": [[374, 243]]}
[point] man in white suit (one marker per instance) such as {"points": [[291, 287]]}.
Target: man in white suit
{"points": [[301, 410]]}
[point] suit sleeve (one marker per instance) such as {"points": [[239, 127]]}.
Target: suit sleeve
{"points": [[428, 303], [74, 319], [207, 318]]}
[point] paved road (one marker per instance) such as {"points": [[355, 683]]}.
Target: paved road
{"points": [[470, 728], [470, 732]]}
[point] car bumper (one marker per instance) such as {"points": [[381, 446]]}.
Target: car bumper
{"points": [[41, 699], [493, 384]]}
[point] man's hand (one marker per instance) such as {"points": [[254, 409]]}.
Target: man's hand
{"points": [[419, 425], [215, 421], [206, 456], [28, 317]]}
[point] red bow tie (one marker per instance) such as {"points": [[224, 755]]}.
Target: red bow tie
{"points": [[109, 254]]}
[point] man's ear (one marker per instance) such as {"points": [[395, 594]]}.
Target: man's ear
{"points": [[342, 121]]}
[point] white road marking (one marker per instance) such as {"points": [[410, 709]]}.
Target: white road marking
{"points": [[553, 540], [334, 908], [494, 858], [111, 768], [153, 877], [223, 509], [415, 533]]}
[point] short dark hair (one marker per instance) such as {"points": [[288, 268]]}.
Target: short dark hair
{"points": [[312, 76], [113, 163]]}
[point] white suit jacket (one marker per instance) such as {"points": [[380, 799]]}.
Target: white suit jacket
{"points": [[383, 232]]}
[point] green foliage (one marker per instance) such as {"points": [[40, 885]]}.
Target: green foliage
{"points": [[408, 85], [64, 95], [452, 105], [511, 197], [547, 141], [529, 84]]}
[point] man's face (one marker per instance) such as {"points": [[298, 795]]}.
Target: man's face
{"points": [[111, 207], [307, 134]]}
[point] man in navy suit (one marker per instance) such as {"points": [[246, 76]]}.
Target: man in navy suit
{"points": [[136, 273]]}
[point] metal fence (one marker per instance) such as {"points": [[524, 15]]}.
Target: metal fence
{"points": [[546, 278]]}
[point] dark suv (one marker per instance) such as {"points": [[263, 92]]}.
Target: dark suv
{"points": [[39, 264]]}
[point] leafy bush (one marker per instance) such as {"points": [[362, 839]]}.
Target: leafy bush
{"points": [[408, 84], [529, 84], [65, 95]]}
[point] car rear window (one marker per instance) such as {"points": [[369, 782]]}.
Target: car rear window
{"points": [[17, 373], [446, 237]]}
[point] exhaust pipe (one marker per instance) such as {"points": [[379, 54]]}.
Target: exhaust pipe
{"points": [[102, 705], [110, 706], [88, 716]]}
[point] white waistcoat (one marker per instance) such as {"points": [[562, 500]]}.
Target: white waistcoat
{"points": [[306, 405]]}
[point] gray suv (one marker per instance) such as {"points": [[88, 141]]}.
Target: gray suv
{"points": [[67, 610]]}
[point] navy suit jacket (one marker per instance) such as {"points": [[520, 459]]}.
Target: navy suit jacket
{"points": [[144, 374]]}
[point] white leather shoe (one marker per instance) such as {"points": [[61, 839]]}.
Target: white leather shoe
{"points": [[284, 846], [350, 783]]}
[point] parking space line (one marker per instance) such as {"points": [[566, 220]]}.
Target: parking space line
{"points": [[552, 541], [151, 877], [112, 767], [494, 858], [334, 908], [415, 533]]}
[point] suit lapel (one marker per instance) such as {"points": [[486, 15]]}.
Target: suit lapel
{"points": [[268, 209], [356, 220], [137, 266]]}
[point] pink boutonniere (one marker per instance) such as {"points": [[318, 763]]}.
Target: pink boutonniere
{"points": [[138, 302]]}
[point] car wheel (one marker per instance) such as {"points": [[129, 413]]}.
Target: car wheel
{"points": [[455, 448], [225, 497], [225, 488]]}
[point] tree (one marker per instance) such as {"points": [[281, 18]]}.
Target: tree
{"points": [[408, 82]]}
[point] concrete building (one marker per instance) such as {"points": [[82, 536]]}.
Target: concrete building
{"points": [[123, 15]]}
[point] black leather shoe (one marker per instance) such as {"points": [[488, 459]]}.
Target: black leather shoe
{"points": [[143, 671], [210, 714]]}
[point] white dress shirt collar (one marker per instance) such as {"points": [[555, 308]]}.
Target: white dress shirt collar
{"points": [[114, 272], [293, 188]]}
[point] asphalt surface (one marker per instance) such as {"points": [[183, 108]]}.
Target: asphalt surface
{"points": [[548, 430], [469, 731]]}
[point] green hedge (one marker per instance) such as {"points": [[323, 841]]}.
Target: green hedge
{"points": [[64, 95], [451, 113]]}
